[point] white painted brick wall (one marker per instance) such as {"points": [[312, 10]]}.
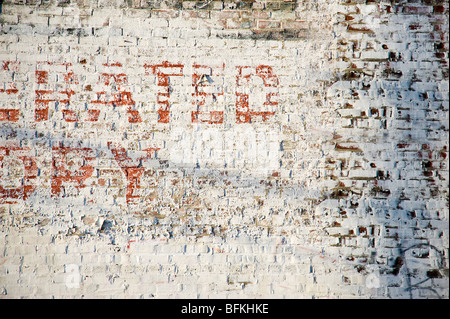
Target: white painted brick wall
{"points": [[341, 192]]}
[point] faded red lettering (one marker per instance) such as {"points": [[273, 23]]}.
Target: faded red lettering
{"points": [[54, 81], [56, 84], [245, 74], [114, 94], [8, 87], [132, 168], [206, 91], [27, 187], [71, 166], [11, 115], [163, 72]]}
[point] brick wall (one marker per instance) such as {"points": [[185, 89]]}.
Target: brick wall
{"points": [[224, 149]]}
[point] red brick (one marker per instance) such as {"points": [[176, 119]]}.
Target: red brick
{"points": [[11, 115]]}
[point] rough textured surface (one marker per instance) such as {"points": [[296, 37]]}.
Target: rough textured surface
{"points": [[206, 149]]}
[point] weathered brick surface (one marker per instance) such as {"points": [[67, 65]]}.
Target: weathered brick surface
{"points": [[224, 149]]}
